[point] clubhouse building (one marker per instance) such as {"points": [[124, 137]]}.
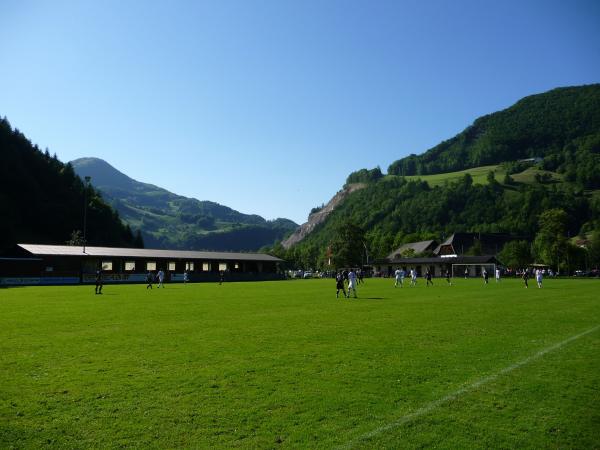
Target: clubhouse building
{"points": [[437, 266], [461, 254], [31, 264]]}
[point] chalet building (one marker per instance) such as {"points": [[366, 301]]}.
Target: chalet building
{"points": [[437, 266], [454, 254], [483, 243], [416, 248], [534, 160], [63, 264]]}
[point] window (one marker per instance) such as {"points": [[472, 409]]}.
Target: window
{"points": [[172, 266], [129, 265], [106, 265], [222, 266], [237, 265], [206, 267], [49, 269], [189, 266], [151, 265]]}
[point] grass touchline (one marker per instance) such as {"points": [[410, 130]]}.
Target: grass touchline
{"points": [[434, 404]]}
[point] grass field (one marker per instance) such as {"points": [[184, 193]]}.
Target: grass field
{"points": [[479, 175], [287, 365]]}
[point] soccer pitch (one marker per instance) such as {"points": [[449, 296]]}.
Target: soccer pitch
{"points": [[286, 364]]}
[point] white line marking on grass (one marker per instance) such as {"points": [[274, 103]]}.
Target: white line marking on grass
{"points": [[436, 403]]}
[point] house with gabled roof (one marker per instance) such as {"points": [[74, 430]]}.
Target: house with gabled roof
{"points": [[474, 243], [472, 252], [416, 248]]}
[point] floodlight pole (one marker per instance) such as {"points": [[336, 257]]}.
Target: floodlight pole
{"points": [[85, 189]]}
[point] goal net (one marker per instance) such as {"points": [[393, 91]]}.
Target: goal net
{"points": [[473, 270]]}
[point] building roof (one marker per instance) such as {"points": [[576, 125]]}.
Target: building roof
{"points": [[418, 247], [491, 243], [68, 250]]}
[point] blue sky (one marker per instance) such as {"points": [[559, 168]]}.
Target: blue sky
{"points": [[267, 106]]}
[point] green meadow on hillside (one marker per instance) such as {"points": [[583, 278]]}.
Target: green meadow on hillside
{"points": [[480, 174], [286, 364]]}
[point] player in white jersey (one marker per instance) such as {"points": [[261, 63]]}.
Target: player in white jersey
{"points": [[497, 275], [413, 277], [399, 277], [538, 278], [352, 283], [161, 277]]}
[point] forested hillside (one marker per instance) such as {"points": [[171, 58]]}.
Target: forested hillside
{"points": [[172, 221], [42, 199], [562, 126], [395, 210], [557, 190]]}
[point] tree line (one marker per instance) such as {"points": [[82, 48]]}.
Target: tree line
{"points": [[562, 126], [43, 200]]}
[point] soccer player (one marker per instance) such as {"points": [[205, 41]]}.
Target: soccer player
{"points": [[221, 277], [448, 278], [466, 273], [428, 278], [525, 277], [339, 284], [149, 279], [352, 283], [359, 274], [497, 275], [538, 278], [413, 277], [399, 277], [185, 277], [161, 277], [99, 282], [485, 276]]}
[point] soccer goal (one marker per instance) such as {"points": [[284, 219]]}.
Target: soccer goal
{"points": [[473, 270]]}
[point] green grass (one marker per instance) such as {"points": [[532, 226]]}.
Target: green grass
{"points": [[528, 176], [286, 364], [479, 175]]}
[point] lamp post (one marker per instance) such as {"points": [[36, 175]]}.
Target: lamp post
{"points": [[85, 189]]}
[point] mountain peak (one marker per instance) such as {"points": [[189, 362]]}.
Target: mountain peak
{"points": [[102, 173], [168, 220]]}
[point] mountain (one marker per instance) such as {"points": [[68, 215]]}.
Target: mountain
{"points": [[168, 220], [319, 215], [543, 153], [562, 126], [42, 199]]}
